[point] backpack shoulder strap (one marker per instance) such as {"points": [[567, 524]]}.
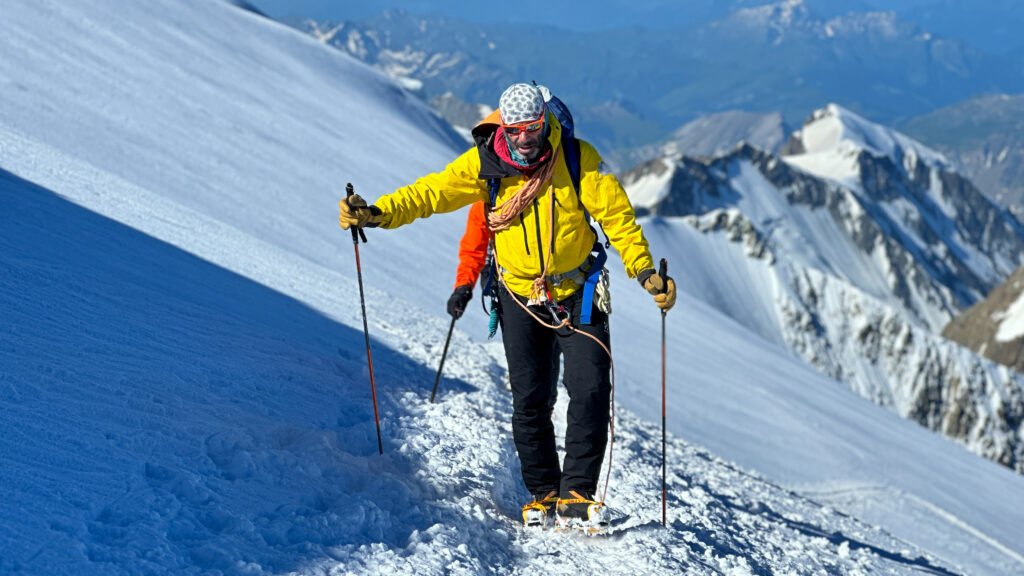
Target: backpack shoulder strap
{"points": [[571, 146], [573, 155], [493, 186], [487, 281]]}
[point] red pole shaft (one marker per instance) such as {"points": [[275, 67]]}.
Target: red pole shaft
{"points": [[356, 234], [369, 358], [664, 489], [663, 272]]}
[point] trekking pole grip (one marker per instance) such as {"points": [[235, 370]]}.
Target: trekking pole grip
{"points": [[357, 232], [663, 272]]}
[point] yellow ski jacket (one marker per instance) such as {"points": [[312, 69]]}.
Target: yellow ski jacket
{"points": [[520, 248]]}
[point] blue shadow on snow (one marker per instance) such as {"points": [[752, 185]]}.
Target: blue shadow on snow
{"points": [[161, 414]]}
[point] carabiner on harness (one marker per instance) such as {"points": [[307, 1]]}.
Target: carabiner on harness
{"points": [[560, 317], [558, 312]]}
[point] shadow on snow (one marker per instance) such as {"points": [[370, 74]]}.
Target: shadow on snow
{"points": [[163, 414]]}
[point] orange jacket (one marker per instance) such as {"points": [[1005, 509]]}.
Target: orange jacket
{"points": [[473, 247]]}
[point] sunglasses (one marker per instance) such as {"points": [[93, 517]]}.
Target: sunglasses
{"points": [[531, 127]]}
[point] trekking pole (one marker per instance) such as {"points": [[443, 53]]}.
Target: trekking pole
{"points": [[443, 356], [358, 233], [663, 272]]}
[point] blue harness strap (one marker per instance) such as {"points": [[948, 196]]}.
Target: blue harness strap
{"points": [[593, 276]]}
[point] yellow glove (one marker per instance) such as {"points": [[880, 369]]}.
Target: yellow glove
{"points": [[664, 297], [355, 212]]}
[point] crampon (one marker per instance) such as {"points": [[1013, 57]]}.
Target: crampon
{"points": [[581, 513], [540, 509]]}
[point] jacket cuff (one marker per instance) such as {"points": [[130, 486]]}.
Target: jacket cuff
{"points": [[643, 275], [377, 219]]}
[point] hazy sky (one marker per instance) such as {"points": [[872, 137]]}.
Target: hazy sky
{"points": [[993, 24]]}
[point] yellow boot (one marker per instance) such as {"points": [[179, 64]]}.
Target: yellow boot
{"points": [[536, 513], [581, 512]]}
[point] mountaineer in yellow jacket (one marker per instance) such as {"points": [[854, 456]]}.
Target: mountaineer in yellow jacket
{"points": [[548, 257]]}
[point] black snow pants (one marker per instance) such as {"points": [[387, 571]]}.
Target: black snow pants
{"points": [[586, 377]]}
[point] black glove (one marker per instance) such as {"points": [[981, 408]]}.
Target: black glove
{"points": [[458, 300]]}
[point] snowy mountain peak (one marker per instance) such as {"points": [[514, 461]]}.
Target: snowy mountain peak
{"points": [[836, 131], [778, 14]]}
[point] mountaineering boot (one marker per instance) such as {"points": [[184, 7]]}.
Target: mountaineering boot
{"points": [[580, 512], [540, 508]]}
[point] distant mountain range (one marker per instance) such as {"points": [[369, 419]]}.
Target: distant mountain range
{"points": [[991, 25], [787, 57], [985, 136], [862, 245]]}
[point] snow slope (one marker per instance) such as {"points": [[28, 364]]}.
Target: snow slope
{"points": [[183, 374], [219, 426]]}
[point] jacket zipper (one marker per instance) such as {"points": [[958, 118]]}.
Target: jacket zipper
{"points": [[540, 242], [526, 241]]}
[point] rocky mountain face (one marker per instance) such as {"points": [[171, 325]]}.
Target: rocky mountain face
{"points": [[984, 135], [916, 195], [935, 251], [994, 327], [871, 346], [873, 243]]}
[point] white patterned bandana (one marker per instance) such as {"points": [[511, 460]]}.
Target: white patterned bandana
{"points": [[521, 103]]}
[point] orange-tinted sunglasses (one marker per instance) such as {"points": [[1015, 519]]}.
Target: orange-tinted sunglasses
{"points": [[532, 127]]}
